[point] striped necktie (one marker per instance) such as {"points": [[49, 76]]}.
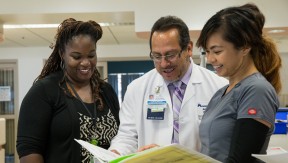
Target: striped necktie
{"points": [[177, 94]]}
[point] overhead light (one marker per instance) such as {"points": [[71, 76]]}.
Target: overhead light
{"points": [[276, 31], [14, 26]]}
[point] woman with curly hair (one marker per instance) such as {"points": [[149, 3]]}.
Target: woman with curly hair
{"points": [[68, 101]]}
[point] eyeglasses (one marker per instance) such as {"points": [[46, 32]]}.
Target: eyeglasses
{"points": [[170, 56]]}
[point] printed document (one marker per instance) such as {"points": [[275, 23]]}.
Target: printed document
{"points": [[173, 153]]}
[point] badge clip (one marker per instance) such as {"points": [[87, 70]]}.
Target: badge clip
{"points": [[157, 90]]}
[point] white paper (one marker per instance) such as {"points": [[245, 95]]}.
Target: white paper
{"points": [[5, 93], [274, 155], [101, 154]]}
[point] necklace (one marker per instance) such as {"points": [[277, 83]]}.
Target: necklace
{"points": [[93, 139]]}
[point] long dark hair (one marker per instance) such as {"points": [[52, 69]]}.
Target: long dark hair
{"points": [[242, 26], [66, 31]]}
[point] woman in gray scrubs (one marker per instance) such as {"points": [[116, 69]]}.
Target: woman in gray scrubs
{"points": [[239, 119]]}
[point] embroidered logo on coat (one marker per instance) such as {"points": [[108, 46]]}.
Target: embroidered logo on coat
{"points": [[252, 111]]}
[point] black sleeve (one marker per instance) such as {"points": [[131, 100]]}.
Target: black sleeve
{"points": [[248, 138], [34, 121]]}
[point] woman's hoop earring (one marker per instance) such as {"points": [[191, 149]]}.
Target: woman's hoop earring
{"points": [[62, 65]]}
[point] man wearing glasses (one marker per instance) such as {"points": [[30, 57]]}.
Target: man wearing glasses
{"points": [[166, 104]]}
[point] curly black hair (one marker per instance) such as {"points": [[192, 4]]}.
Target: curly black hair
{"points": [[66, 31]]}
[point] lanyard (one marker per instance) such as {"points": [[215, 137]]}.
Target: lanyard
{"points": [[79, 98]]}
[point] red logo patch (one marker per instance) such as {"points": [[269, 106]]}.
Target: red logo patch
{"points": [[252, 111]]}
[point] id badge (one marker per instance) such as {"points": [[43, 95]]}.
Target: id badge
{"points": [[152, 115], [201, 107], [156, 109]]}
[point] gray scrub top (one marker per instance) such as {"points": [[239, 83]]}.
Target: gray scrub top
{"points": [[253, 97]]}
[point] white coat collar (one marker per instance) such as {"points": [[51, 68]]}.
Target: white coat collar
{"points": [[196, 76]]}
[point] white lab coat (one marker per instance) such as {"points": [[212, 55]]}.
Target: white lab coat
{"points": [[136, 130]]}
